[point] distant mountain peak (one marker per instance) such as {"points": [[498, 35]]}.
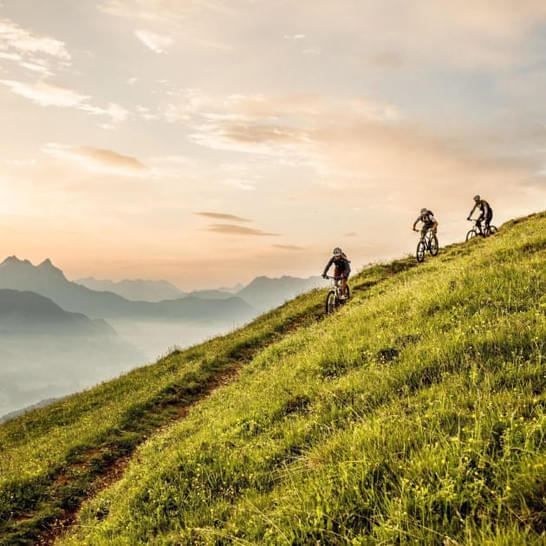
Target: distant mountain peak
{"points": [[14, 260], [47, 265]]}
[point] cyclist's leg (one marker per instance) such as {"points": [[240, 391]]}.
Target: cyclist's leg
{"points": [[479, 223], [488, 219], [424, 230], [344, 286]]}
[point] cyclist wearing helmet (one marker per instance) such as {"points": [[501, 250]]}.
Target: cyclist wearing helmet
{"points": [[342, 269], [486, 213], [429, 222]]}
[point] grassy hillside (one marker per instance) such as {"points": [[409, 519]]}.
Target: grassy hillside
{"points": [[416, 414]]}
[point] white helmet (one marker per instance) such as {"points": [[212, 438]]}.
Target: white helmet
{"points": [[337, 251]]}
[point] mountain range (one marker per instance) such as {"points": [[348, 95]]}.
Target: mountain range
{"points": [[135, 289], [47, 352], [50, 281]]}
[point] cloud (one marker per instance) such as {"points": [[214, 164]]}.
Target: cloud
{"points": [[97, 159], [230, 229], [156, 42], [14, 37], [294, 36], [289, 247], [222, 216], [351, 234], [48, 94], [31, 51]]}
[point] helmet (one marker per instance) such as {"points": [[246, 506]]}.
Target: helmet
{"points": [[424, 211], [477, 198], [337, 251]]}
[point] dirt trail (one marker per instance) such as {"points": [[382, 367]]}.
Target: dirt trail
{"points": [[113, 470]]}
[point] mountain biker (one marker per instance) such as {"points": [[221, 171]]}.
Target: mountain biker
{"points": [[486, 213], [429, 222], [342, 269]]}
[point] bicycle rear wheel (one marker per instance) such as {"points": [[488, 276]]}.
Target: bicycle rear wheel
{"points": [[331, 302], [493, 230], [420, 252], [434, 247], [471, 234]]}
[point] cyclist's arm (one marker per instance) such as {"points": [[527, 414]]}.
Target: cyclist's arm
{"points": [[435, 226], [415, 223], [328, 265], [472, 211]]}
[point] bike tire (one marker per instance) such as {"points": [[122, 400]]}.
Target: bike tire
{"points": [[331, 302], [471, 234], [434, 247], [420, 252], [493, 230]]}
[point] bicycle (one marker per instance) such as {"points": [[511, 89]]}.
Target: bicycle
{"points": [[429, 242], [475, 231], [334, 298]]}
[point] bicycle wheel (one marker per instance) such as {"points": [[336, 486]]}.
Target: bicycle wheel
{"points": [[471, 234], [493, 230], [420, 252], [331, 302], [433, 245]]}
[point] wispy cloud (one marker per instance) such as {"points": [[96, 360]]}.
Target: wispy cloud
{"points": [[222, 216], [48, 94], [15, 38], [294, 36], [289, 247], [230, 229], [97, 159], [156, 42]]}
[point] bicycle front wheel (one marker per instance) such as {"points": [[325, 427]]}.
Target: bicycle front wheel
{"points": [[434, 247], [470, 234], [420, 252], [331, 302]]}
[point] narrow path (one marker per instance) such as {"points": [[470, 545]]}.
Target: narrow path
{"points": [[112, 460]]}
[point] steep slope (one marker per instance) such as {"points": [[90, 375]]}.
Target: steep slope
{"points": [[416, 414], [135, 289], [50, 281]]}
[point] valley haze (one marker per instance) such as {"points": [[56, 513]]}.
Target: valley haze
{"points": [[59, 336]]}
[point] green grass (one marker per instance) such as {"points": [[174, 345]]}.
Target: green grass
{"points": [[415, 414]]}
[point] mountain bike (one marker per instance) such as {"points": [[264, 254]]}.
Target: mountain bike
{"points": [[486, 231], [429, 242], [334, 298]]}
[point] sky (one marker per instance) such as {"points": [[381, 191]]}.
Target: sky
{"points": [[206, 142]]}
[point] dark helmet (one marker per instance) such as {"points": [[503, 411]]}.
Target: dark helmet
{"points": [[337, 251], [477, 198], [424, 211]]}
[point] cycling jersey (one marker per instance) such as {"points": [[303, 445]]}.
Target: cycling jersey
{"points": [[343, 267], [427, 218], [484, 207]]}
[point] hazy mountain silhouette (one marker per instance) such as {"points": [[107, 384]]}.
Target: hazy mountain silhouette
{"points": [[264, 293], [48, 352], [154, 291], [28, 312], [135, 289], [49, 281]]}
